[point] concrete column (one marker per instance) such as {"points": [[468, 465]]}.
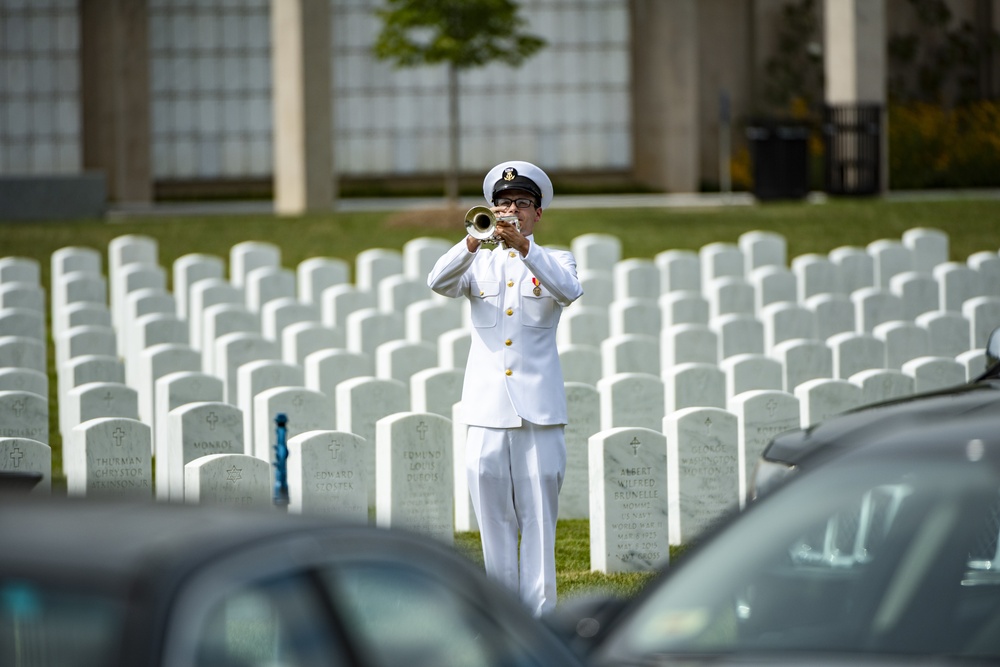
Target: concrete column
{"points": [[115, 96], [855, 60], [665, 94], [303, 120]]}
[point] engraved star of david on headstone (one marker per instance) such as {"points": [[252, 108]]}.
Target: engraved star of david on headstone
{"points": [[233, 474]]}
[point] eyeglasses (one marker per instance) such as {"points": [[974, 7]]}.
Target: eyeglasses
{"points": [[520, 203]]}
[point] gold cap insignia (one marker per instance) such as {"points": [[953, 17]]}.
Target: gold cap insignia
{"points": [[509, 174]]}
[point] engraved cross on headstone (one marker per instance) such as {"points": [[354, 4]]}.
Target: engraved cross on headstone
{"points": [[708, 425], [18, 407], [212, 419], [334, 447], [108, 399], [772, 407], [635, 444], [16, 454], [119, 436], [422, 429]]}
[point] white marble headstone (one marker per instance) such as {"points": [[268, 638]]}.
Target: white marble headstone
{"points": [[327, 475], [399, 359], [374, 264], [305, 410], [97, 399], [631, 399], [702, 469], [583, 406], [855, 352], [596, 251], [414, 476], [581, 363], [931, 373], [109, 457], [882, 384], [315, 274], [360, 403], [325, 369], [24, 414], [172, 391], [199, 429], [760, 415], [629, 500], [629, 353], [822, 398], [436, 390], [231, 480]]}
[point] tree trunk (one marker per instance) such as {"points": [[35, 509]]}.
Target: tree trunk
{"points": [[451, 180]]}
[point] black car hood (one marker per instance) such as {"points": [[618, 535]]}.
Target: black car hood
{"points": [[834, 434]]}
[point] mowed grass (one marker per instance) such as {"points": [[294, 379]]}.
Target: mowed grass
{"points": [[973, 225]]}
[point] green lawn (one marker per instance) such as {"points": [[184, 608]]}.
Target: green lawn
{"points": [[972, 224]]}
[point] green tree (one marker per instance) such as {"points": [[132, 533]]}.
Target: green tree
{"points": [[461, 34]]}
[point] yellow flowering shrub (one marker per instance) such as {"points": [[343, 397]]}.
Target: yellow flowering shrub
{"points": [[931, 146]]}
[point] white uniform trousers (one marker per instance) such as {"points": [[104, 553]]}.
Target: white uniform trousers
{"points": [[514, 478]]}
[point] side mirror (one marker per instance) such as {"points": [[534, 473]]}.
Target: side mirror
{"points": [[993, 350]]}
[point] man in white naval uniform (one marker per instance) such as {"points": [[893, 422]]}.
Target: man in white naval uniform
{"points": [[513, 398]]}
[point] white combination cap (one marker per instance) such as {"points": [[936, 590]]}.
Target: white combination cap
{"points": [[516, 175]]}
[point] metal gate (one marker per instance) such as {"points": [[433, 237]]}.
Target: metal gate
{"points": [[852, 135]]}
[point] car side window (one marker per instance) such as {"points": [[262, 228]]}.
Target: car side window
{"points": [[276, 622], [403, 616]]}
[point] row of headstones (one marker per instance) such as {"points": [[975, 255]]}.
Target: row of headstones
{"points": [[892, 345], [758, 373], [843, 270], [89, 350], [948, 334], [641, 489], [622, 354]]}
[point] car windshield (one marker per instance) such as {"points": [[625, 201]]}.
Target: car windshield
{"points": [[887, 557], [50, 625]]}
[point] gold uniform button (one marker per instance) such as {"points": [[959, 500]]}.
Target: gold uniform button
{"points": [[508, 342], [510, 283], [481, 292], [509, 372], [513, 254], [510, 311]]}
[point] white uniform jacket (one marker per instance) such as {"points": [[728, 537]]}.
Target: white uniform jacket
{"points": [[513, 371]]}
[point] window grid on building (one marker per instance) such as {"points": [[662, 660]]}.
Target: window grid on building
{"points": [[568, 107], [210, 65], [39, 87], [210, 79]]}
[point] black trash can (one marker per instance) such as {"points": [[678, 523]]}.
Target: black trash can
{"points": [[852, 138], [779, 152]]}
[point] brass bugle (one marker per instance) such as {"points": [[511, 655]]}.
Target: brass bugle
{"points": [[481, 223]]}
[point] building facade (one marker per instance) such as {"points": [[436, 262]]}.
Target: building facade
{"points": [[160, 92]]}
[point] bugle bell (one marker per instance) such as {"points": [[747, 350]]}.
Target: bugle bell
{"points": [[481, 223]]}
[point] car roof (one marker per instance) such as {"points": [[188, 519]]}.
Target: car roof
{"points": [[119, 541], [878, 421]]}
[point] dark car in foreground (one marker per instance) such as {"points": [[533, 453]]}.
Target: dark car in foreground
{"points": [[84, 582], [878, 546]]}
